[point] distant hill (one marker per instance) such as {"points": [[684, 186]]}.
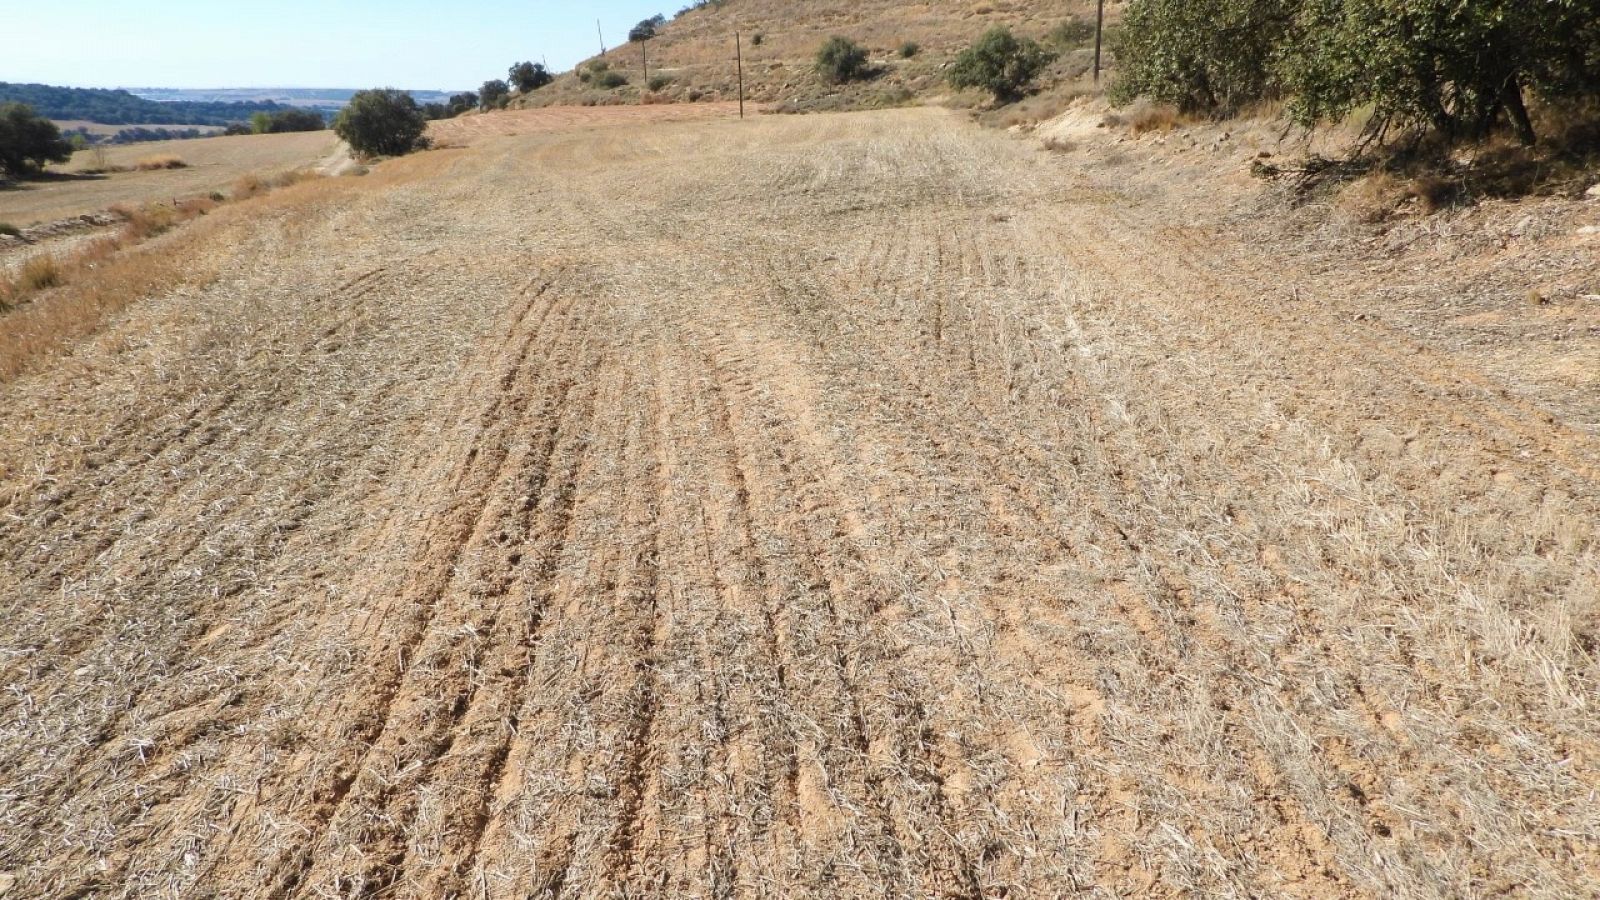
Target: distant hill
{"points": [[314, 98], [118, 107], [178, 106], [694, 52]]}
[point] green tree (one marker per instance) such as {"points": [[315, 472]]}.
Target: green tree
{"points": [[841, 60], [1203, 55], [529, 76], [460, 103], [1001, 63], [647, 29], [382, 122], [1459, 67], [28, 141], [494, 94], [260, 123], [296, 120]]}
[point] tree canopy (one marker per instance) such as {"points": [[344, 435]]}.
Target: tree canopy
{"points": [[529, 76], [28, 141], [494, 94], [1458, 67], [382, 122], [647, 29]]}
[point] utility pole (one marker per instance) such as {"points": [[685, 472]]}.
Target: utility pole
{"points": [[644, 54], [602, 37], [1099, 34], [738, 54]]}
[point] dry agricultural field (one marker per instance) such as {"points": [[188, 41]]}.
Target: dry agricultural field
{"points": [[212, 164], [866, 505]]}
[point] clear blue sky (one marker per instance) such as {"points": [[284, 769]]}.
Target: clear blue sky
{"points": [[300, 43]]}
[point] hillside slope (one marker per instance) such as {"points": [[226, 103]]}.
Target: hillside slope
{"points": [[696, 51]]}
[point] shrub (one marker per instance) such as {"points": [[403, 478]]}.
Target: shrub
{"points": [[757, 39], [910, 49], [10, 230], [529, 76], [1000, 63], [610, 80], [460, 103], [381, 122], [658, 82], [841, 60], [1071, 32], [28, 141]]}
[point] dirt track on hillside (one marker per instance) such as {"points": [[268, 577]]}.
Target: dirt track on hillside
{"points": [[843, 506]]}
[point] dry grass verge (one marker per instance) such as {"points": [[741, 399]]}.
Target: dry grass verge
{"points": [[153, 163], [103, 276]]}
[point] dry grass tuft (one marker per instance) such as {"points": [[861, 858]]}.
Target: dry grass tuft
{"points": [[1155, 117], [249, 186], [154, 163], [146, 221], [40, 273]]}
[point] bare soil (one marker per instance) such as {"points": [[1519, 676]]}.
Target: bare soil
{"points": [[845, 506]]}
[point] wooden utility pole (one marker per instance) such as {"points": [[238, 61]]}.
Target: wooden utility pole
{"points": [[1099, 34], [738, 55], [644, 54], [602, 37]]}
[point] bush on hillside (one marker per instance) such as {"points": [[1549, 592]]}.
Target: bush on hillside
{"points": [[658, 82], [529, 76], [382, 122], [1001, 63], [1071, 32], [910, 49], [610, 80], [460, 103], [28, 141], [841, 60]]}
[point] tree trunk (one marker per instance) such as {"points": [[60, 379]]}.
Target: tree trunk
{"points": [[1511, 96]]}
